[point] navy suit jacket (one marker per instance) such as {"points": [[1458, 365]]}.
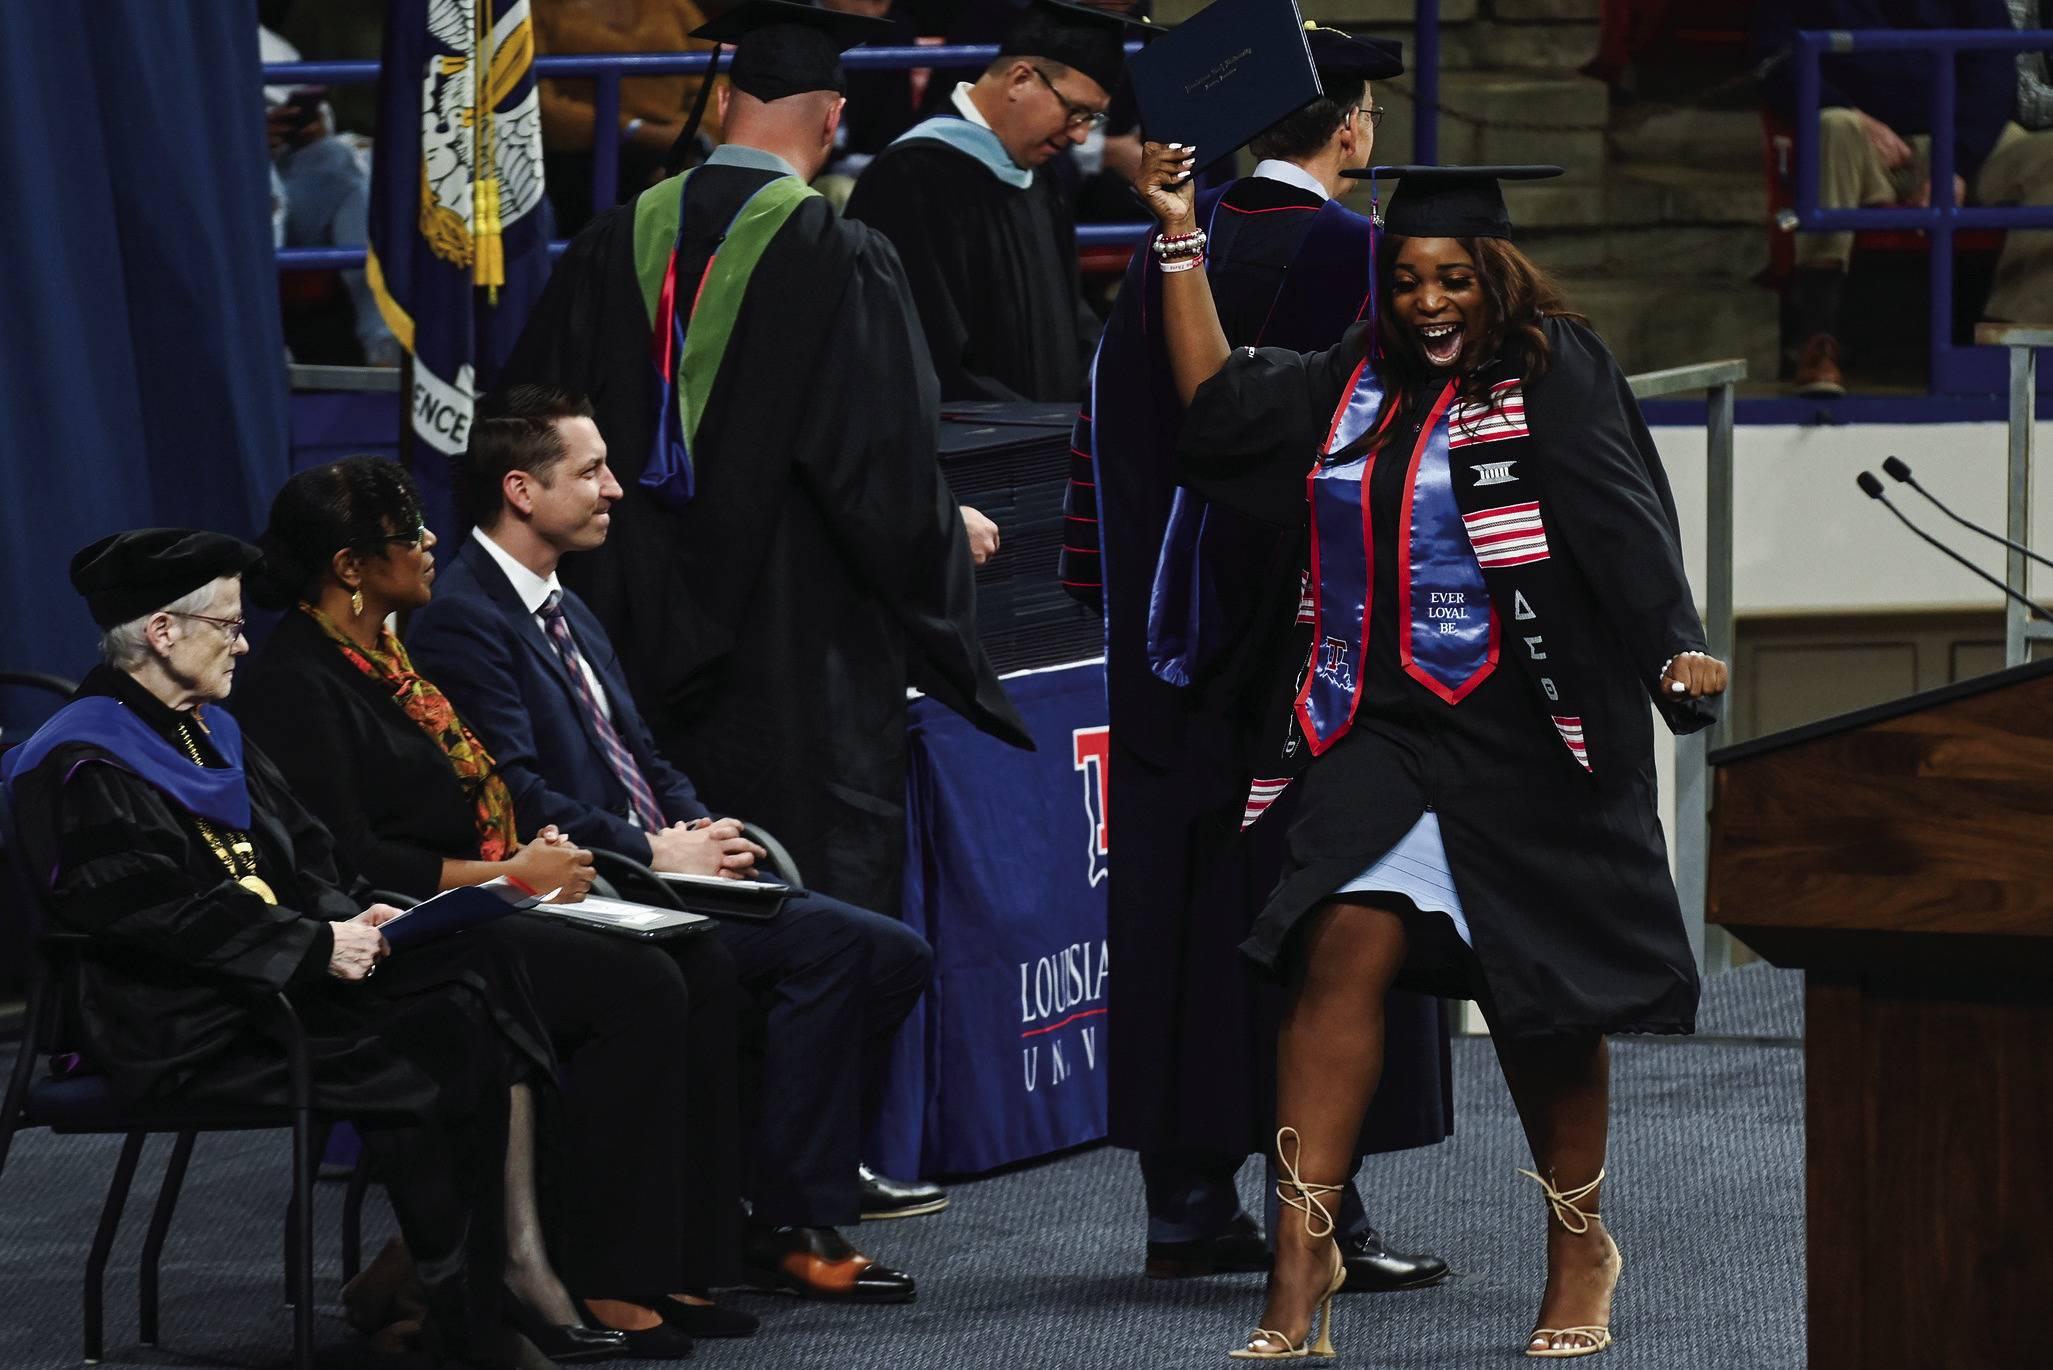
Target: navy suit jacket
{"points": [[487, 653]]}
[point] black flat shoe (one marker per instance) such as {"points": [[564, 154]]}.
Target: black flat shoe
{"points": [[707, 1319], [884, 1197], [1238, 1248], [564, 1343], [661, 1342], [818, 1263], [1373, 1268]]}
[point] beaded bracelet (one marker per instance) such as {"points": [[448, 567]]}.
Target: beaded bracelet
{"points": [[1183, 263], [1180, 244]]}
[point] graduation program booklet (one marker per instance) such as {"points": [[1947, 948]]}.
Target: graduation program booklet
{"points": [[621, 918], [466, 906], [1224, 75]]}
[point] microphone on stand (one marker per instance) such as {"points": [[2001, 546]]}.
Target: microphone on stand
{"points": [[1899, 469], [1871, 485]]}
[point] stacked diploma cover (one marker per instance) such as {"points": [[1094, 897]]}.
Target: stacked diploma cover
{"points": [[1010, 461]]}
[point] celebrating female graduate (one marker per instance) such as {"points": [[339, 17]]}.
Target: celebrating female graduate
{"points": [[1493, 588]]}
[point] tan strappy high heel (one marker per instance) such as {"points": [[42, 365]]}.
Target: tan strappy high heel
{"points": [[1305, 1199], [1583, 1341]]}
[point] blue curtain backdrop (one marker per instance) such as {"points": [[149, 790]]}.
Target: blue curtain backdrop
{"points": [[141, 356]]}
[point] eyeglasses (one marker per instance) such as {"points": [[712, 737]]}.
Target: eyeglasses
{"points": [[413, 537], [231, 626], [1080, 116], [1375, 113]]}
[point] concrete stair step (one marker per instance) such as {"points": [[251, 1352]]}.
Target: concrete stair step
{"points": [[1658, 320], [1720, 252], [1706, 139]]}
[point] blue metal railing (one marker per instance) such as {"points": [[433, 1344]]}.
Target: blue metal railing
{"points": [[1954, 370], [606, 72]]}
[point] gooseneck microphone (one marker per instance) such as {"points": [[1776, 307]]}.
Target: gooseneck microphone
{"points": [[1871, 485], [1899, 469]]}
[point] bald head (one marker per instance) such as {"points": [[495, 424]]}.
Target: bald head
{"points": [[799, 128]]}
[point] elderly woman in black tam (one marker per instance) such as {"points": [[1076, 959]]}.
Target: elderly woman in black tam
{"points": [[180, 850], [1493, 590]]}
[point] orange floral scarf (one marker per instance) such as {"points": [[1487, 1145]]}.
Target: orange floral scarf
{"points": [[429, 707]]}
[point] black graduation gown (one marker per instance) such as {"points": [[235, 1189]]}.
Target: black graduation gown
{"points": [[1563, 873], [1196, 1061], [421, 1055], [992, 268], [770, 627]]}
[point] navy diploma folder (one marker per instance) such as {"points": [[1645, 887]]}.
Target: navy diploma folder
{"points": [[454, 910], [1224, 75]]}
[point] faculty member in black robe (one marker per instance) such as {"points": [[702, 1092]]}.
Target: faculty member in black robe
{"points": [[787, 558], [203, 882], [1193, 1086], [985, 233], [1477, 486]]}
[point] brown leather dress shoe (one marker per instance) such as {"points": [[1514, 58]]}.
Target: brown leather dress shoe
{"points": [[819, 1263], [1817, 368]]}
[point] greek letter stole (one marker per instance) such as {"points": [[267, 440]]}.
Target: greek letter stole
{"points": [[1475, 560]]}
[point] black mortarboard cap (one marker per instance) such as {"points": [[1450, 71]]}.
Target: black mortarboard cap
{"points": [[1345, 61], [138, 572], [785, 49], [1087, 40], [1450, 201]]}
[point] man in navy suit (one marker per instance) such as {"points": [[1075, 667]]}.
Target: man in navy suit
{"points": [[534, 675]]}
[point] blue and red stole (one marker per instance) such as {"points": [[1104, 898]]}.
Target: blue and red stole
{"points": [[1475, 543], [217, 793]]}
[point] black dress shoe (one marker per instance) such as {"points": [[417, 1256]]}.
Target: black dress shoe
{"points": [[1373, 1268], [888, 1198], [564, 1343], [818, 1263], [661, 1342], [707, 1319], [1238, 1247]]}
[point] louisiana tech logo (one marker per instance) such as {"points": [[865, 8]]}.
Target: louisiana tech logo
{"points": [[1091, 748], [1334, 663]]}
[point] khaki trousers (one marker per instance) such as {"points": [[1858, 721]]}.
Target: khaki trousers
{"points": [[2020, 172], [1851, 176]]}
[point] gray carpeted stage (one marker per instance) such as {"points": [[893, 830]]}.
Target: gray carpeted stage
{"points": [[1039, 1268]]}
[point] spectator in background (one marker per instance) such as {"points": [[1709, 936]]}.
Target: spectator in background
{"points": [[653, 109], [1873, 133], [333, 31], [2020, 172], [325, 180], [880, 102]]}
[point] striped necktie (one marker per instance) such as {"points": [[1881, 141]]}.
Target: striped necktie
{"points": [[641, 801]]}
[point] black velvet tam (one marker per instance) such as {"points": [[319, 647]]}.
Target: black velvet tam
{"points": [[785, 49], [1345, 61], [1450, 201], [138, 572], [1087, 40]]}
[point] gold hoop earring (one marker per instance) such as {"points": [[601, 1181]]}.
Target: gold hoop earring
{"points": [[356, 603]]}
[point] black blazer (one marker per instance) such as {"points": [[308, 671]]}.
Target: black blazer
{"points": [[381, 784]]}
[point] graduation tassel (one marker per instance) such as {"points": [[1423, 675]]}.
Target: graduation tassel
{"points": [[680, 151]]}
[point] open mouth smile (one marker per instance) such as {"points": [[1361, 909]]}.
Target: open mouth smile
{"points": [[1442, 342]]}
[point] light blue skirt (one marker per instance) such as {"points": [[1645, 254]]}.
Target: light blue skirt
{"points": [[1417, 869]]}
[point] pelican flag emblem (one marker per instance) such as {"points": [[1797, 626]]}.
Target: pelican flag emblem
{"points": [[1494, 472], [1093, 746]]}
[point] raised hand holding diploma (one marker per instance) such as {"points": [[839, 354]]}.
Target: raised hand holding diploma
{"points": [[1167, 182]]}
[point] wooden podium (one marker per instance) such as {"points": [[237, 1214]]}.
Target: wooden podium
{"points": [[1902, 856]]}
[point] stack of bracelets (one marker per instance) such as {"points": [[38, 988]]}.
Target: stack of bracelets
{"points": [[1181, 251]]}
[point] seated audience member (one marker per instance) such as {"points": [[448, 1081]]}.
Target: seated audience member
{"points": [[653, 109], [417, 805], [327, 190], [880, 103], [204, 885], [1874, 147], [530, 668]]}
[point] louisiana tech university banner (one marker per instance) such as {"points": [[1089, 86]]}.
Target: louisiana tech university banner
{"points": [[1005, 875]]}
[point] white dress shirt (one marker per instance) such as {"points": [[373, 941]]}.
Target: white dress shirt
{"points": [[1291, 174], [967, 107], [534, 592]]}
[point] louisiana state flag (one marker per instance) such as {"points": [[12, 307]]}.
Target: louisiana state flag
{"points": [[458, 250]]}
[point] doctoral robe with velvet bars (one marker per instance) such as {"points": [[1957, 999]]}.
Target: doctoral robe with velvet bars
{"points": [[770, 625]]}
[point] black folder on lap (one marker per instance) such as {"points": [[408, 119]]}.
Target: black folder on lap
{"points": [[1224, 75], [750, 901]]}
